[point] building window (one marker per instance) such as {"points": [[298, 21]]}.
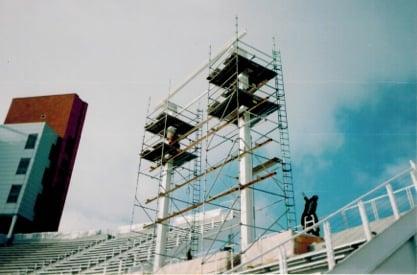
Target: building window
{"points": [[14, 193], [31, 141], [23, 166]]}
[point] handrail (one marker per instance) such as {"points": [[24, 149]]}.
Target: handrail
{"points": [[383, 184], [381, 197]]}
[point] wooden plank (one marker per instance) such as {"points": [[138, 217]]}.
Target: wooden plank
{"points": [[222, 194], [211, 169], [267, 164], [213, 131]]}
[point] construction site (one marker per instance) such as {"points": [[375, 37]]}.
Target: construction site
{"points": [[227, 148], [217, 153]]}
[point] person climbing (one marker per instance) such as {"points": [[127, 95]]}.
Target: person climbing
{"points": [[309, 216], [172, 137]]}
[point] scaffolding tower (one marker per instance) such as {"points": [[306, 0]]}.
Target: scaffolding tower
{"points": [[227, 148]]}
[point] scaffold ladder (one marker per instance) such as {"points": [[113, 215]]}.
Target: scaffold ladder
{"points": [[284, 138], [196, 189]]}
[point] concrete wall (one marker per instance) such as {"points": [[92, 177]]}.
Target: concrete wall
{"points": [[213, 264], [402, 261], [298, 245]]}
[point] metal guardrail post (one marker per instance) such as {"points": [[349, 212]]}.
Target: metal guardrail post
{"points": [[329, 246], [345, 219], [413, 173], [282, 261], [120, 267], [393, 202], [374, 210], [364, 219], [410, 198]]}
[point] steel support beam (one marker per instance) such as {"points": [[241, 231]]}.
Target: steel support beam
{"points": [[247, 218], [198, 71], [162, 228]]}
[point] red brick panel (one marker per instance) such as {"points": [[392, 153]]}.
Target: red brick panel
{"points": [[55, 110]]}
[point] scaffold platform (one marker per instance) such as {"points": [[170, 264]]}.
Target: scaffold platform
{"points": [[167, 152], [165, 120], [228, 108], [236, 63]]}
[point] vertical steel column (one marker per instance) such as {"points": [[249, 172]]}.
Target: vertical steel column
{"points": [[282, 261], [246, 194], [393, 202], [12, 225], [364, 219], [329, 246], [162, 228]]}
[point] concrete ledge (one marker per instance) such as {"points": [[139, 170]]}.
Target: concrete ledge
{"points": [[380, 248], [299, 245], [214, 264]]}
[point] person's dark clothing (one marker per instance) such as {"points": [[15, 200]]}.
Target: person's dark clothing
{"points": [[189, 256], [309, 214], [174, 142]]}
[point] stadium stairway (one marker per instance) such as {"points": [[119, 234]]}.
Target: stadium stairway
{"points": [[374, 234], [345, 243]]}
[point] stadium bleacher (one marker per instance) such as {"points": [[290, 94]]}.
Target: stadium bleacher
{"points": [[92, 252]]}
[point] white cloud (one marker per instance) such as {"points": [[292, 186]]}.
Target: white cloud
{"points": [[80, 221], [115, 54]]}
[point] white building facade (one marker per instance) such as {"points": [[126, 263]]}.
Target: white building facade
{"points": [[25, 150]]}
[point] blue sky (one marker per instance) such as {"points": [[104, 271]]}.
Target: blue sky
{"points": [[379, 138], [350, 70]]}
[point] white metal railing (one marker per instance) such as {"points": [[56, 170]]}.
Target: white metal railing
{"points": [[395, 199]]}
